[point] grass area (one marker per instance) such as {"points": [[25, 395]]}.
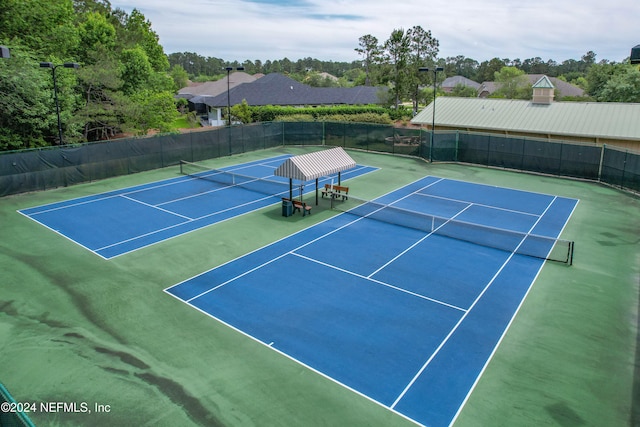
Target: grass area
{"points": [[77, 328], [183, 122]]}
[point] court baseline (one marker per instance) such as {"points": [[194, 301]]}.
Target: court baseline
{"points": [[405, 318], [117, 222]]}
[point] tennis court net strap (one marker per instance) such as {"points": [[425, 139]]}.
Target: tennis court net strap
{"points": [[259, 185], [528, 244]]}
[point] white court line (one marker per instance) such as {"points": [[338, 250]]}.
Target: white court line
{"points": [[420, 241], [504, 333], [155, 207], [182, 223], [379, 282], [279, 240], [272, 346], [455, 328], [224, 187], [135, 188], [194, 219], [478, 204]]}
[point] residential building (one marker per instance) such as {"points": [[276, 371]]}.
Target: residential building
{"points": [[278, 89], [610, 123]]}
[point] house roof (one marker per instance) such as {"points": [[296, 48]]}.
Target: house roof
{"points": [[217, 87], [278, 89], [611, 120], [451, 82], [315, 165], [564, 88]]}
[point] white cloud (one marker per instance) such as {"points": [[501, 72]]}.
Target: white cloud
{"points": [[329, 29]]}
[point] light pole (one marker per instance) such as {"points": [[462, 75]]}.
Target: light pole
{"points": [[229, 69], [435, 70], [55, 88]]}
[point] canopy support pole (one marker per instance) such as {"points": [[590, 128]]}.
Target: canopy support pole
{"points": [[290, 189], [316, 191]]}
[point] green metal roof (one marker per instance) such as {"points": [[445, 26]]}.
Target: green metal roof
{"points": [[611, 120]]}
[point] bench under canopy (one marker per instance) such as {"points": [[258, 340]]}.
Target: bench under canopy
{"points": [[310, 166]]}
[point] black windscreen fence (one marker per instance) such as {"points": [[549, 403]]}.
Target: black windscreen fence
{"points": [[45, 168]]}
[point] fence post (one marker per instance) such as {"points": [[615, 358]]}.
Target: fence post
{"points": [[431, 145], [624, 168], [600, 166], [324, 133]]}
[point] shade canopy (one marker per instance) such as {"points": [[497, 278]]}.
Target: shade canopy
{"points": [[315, 165]]}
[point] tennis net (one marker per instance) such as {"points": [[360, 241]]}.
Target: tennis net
{"points": [[259, 185], [528, 244]]}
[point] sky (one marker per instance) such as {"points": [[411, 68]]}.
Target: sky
{"points": [[329, 30]]}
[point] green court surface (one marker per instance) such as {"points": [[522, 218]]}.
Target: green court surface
{"points": [[77, 328]]}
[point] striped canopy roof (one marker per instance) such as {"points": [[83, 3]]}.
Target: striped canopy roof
{"points": [[316, 165]]}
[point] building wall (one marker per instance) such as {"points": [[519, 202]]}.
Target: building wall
{"points": [[633, 145]]}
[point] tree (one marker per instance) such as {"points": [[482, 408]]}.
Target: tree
{"points": [[179, 76], [597, 78], [136, 69], [623, 86], [487, 69], [96, 33], [152, 110], [423, 50], [513, 84], [100, 84], [461, 66], [397, 49], [138, 33], [463, 91], [535, 66], [371, 52], [242, 112], [46, 28], [26, 102]]}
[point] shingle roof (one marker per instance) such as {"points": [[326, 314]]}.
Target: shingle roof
{"points": [[217, 87], [584, 119], [278, 89], [451, 82], [315, 165], [564, 88]]}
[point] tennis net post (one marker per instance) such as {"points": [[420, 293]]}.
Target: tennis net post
{"points": [[529, 244]]}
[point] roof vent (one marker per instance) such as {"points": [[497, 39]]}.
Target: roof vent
{"points": [[543, 91]]}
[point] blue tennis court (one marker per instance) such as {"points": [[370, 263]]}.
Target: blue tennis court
{"points": [[114, 223], [405, 315]]}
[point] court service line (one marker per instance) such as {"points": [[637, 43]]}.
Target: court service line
{"points": [[421, 240], [188, 178], [265, 263], [131, 189], [160, 230], [155, 207], [194, 219], [506, 329], [449, 199], [464, 316], [379, 282], [277, 258], [213, 190]]}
